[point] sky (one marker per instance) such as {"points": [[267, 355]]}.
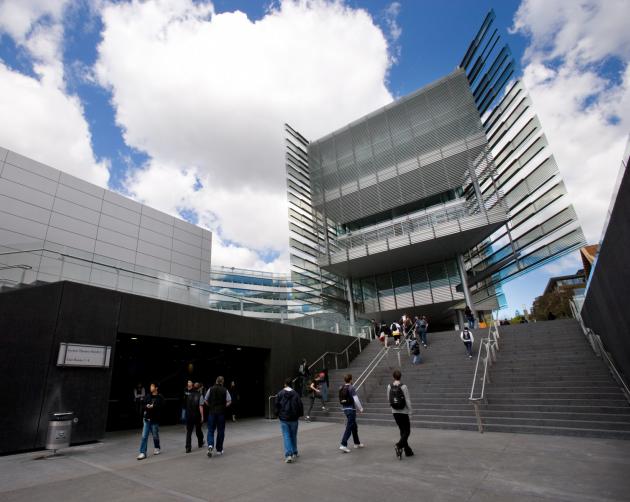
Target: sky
{"points": [[180, 104]]}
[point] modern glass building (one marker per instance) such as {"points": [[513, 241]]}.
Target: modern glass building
{"points": [[431, 202], [253, 293], [271, 297]]}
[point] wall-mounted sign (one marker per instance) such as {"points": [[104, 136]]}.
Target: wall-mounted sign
{"points": [[87, 356]]}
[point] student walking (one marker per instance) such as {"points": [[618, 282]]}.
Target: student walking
{"points": [[194, 415], [289, 409], [400, 403], [422, 326], [151, 421], [303, 374], [316, 393], [218, 400], [468, 339], [350, 403], [324, 385], [415, 352], [469, 317]]}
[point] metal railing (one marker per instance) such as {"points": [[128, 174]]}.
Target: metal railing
{"points": [[598, 347], [489, 346], [123, 276], [346, 351], [369, 369]]}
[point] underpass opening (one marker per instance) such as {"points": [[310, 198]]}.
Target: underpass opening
{"points": [[172, 362]]}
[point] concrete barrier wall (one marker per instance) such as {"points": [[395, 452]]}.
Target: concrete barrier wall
{"points": [[606, 308], [35, 320]]}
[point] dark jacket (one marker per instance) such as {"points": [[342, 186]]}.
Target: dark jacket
{"points": [[216, 399], [289, 405], [192, 405], [154, 414]]}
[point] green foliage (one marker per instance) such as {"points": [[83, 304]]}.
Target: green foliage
{"points": [[556, 302]]}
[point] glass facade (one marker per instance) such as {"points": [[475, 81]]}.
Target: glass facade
{"points": [[458, 170]]}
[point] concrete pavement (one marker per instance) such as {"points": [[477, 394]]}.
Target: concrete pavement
{"points": [[448, 465]]}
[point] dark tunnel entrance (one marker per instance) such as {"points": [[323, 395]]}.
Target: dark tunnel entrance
{"points": [[172, 362]]}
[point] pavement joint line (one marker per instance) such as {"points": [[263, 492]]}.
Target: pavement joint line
{"points": [[140, 480]]}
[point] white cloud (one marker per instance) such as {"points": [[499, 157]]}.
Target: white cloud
{"points": [[583, 110], [206, 94], [566, 265], [41, 120]]}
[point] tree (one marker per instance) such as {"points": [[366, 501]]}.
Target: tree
{"points": [[556, 302]]}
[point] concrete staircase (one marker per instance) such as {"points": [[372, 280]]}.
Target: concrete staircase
{"points": [[439, 387], [546, 380]]}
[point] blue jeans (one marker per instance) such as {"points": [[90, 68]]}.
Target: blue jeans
{"points": [[423, 336], [351, 427], [289, 437], [216, 421], [324, 389], [471, 323], [154, 429], [468, 348], [416, 359]]}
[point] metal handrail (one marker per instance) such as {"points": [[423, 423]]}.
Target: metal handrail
{"points": [[270, 415], [490, 345], [598, 347], [323, 356], [174, 280], [369, 369]]}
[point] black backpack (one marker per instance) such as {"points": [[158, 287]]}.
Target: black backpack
{"points": [[345, 397], [397, 397]]}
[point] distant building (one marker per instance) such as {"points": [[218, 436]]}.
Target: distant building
{"points": [[253, 293], [566, 282], [588, 255]]}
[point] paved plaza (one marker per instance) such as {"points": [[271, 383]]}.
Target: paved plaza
{"points": [[448, 465]]}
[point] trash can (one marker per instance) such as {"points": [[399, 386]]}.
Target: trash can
{"points": [[59, 430]]}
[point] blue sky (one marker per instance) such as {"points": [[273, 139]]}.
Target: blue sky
{"points": [[115, 107]]}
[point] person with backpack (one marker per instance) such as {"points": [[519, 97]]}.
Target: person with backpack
{"points": [[289, 409], [415, 352], [421, 327], [218, 399], [468, 339], [395, 327], [350, 403], [400, 403]]}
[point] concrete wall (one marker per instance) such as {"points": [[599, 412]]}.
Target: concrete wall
{"points": [[35, 320], [606, 308]]}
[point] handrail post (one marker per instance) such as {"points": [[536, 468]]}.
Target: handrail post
{"points": [[347, 358], [478, 416], [398, 354]]}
